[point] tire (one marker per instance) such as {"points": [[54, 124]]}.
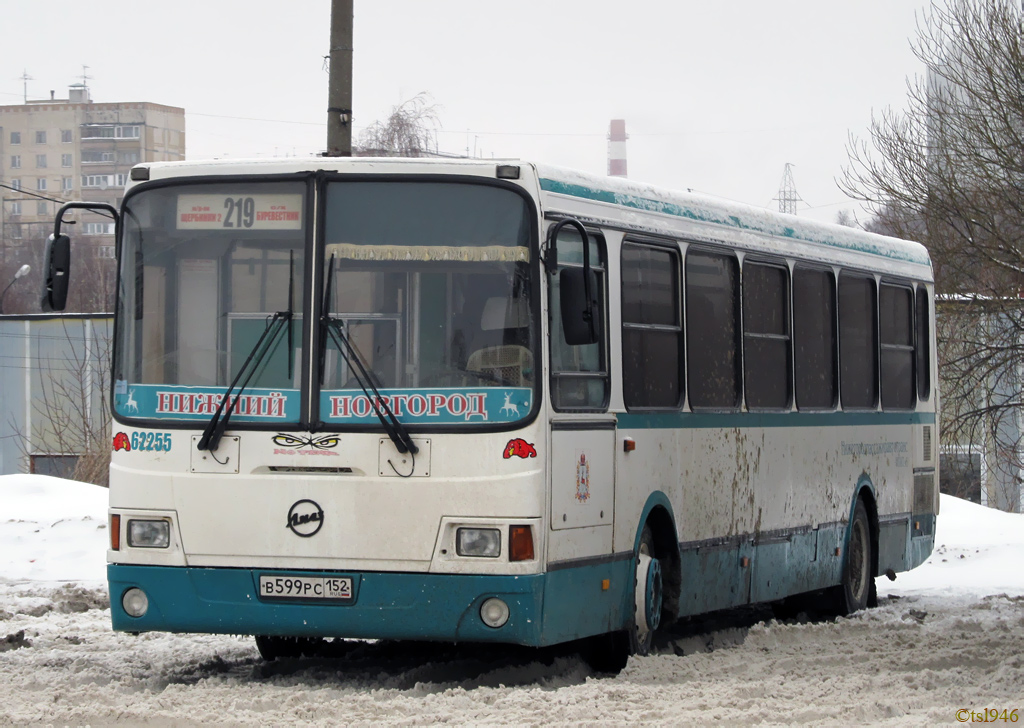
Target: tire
{"points": [[856, 590], [648, 596], [271, 647], [609, 653]]}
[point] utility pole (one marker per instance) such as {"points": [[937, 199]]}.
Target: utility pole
{"points": [[339, 91]]}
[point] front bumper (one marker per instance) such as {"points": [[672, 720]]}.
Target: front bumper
{"points": [[402, 606]]}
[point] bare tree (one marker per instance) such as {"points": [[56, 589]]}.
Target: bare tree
{"points": [[949, 171], [409, 131]]}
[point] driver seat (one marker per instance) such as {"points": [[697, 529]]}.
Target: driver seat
{"points": [[509, 363]]}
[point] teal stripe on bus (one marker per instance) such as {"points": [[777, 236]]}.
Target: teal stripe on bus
{"points": [[708, 420], [704, 215]]}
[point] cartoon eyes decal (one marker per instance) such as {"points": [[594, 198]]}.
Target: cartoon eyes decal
{"points": [[324, 442]]}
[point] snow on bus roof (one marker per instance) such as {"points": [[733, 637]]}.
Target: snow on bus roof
{"points": [[708, 209], [614, 190]]}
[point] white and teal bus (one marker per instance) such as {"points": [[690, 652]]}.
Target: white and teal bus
{"points": [[471, 401]]}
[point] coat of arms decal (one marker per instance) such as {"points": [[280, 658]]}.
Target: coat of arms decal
{"points": [[582, 478]]}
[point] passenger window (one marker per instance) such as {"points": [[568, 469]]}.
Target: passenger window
{"points": [[766, 349], [858, 360], [579, 374], [923, 337], [814, 338], [652, 374], [712, 330], [896, 339]]}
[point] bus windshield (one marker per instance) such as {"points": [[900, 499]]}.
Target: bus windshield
{"points": [[432, 284], [203, 270]]}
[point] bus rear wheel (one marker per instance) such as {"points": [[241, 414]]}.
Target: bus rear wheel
{"points": [[858, 580], [272, 647]]}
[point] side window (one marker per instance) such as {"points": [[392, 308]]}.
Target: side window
{"points": [[923, 337], [579, 374], [712, 329], [858, 360], [766, 350], [652, 374], [814, 338], [896, 344]]}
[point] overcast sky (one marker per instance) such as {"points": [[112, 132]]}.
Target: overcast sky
{"points": [[717, 96]]}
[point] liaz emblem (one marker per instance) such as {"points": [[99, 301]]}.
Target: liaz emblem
{"points": [[121, 442], [305, 518], [583, 478]]}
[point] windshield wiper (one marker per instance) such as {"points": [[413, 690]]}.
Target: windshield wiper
{"points": [[335, 329], [216, 427]]}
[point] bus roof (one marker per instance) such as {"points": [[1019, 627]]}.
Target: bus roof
{"points": [[625, 194]]}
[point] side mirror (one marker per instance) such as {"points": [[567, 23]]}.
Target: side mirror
{"points": [[56, 272], [579, 305], [578, 289]]}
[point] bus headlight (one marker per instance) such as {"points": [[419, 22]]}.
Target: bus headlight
{"points": [[135, 602], [149, 534], [478, 542], [494, 612]]}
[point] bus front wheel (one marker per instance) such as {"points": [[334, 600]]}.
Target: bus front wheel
{"points": [[648, 595], [610, 652]]}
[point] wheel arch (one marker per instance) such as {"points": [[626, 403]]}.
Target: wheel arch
{"points": [[865, 492], [659, 515]]}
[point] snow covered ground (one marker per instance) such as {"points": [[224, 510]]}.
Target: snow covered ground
{"points": [[946, 637]]}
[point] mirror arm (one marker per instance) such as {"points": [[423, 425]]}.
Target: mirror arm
{"points": [[82, 206], [552, 258]]}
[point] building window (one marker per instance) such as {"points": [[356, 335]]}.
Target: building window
{"points": [[16, 184], [128, 157], [66, 160], [110, 131], [65, 184], [766, 352], [41, 161], [41, 184], [40, 137], [16, 161], [15, 137], [97, 157], [120, 180], [16, 209], [42, 208], [858, 357], [102, 181], [16, 228], [59, 466], [712, 329], [66, 136], [105, 251], [98, 228], [652, 332]]}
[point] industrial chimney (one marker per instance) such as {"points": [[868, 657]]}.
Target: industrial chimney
{"points": [[617, 148]]}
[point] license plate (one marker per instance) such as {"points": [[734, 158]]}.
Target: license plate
{"points": [[306, 587]]}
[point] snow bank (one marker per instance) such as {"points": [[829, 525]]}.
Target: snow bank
{"points": [[932, 648], [978, 551], [52, 529]]}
